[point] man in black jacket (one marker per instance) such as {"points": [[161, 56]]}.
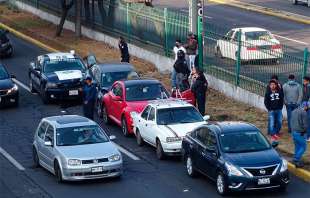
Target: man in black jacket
{"points": [[199, 88], [182, 71], [122, 45], [274, 100]]}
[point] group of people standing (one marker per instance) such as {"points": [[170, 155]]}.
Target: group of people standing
{"points": [[296, 99], [186, 73]]}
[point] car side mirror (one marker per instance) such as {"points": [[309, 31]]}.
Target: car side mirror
{"points": [[117, 98], [112, 137], [13, 76], [206, 117], [275, 144], [48, 143]]}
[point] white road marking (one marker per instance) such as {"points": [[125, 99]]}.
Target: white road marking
{"points": [[11, 159], [186, 11], [21, 84], [128, 153], [289, 39]]}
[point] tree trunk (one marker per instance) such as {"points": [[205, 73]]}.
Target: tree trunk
{"points": [[65, 9], [78, 7]]}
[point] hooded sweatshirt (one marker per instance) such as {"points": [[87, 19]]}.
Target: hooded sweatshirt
{"points": [[274, 100], [292, 92], [299, 120]]}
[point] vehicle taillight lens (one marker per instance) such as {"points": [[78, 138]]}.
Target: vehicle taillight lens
{"points": [[252, 48], [278, 46]]}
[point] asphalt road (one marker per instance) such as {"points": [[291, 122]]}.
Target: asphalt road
{"points": [[146, 177]]}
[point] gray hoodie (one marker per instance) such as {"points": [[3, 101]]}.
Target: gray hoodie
{"points": [[292, 92], [299, 120]]}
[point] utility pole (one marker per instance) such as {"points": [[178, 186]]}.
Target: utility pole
{"points": [[193, 14], [200, 15], [78, 8]]}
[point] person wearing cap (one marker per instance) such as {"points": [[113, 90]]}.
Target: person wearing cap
{"points": [[123, 47], [305, 98], [89, 98], [292, 97], [299, 124]]}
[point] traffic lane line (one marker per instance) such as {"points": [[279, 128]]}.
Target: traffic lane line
{"points": [[289, 39], [11, 159], [123, 150]]}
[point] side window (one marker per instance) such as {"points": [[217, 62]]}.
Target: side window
{"points": [[230, 34], [49, 136], [117, 90], [42, 129], [152, 115], [146, 112], [211, 141], [194, 134], [236, 36], [202, 135]]}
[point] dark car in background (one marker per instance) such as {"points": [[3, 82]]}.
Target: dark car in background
{"points": [[8, 89], [236, 156], [6, 48]]}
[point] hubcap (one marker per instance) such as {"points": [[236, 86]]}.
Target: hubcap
{"points": [[189, 166], [220, 183], [124, 127], [104, 114]]}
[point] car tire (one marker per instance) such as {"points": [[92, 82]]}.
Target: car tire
{"points": [[139, 138], [16, 103], [189, 167], [10, 51], [218, 52], [35, 157], [283, 188], [221, 185], [159, 151], [99, 109], [105, 116], [58, 172], [124, 127], [32, 90], [44, 96]]}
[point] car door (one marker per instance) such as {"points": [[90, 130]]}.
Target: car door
{"points": [[210, 154], [117, 102], [233, 50], [142, 122], [35, 75], [150, 125], [48, 151], [40, 139], [225, 44], [200, 147]]}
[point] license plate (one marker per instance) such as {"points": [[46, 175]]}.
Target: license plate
{"points": [[97, 169], [263, 181], [73, 92]]}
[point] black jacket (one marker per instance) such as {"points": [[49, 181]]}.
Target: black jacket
{"points": [[306, 93], [180, 66], [124, 49], [274, 100], [200, 85]]}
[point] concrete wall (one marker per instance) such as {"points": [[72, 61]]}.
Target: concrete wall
{"points": [[162, 63]]}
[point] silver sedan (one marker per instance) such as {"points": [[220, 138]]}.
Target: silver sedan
{"points": [[75, 148]]}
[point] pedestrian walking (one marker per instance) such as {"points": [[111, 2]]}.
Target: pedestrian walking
{"points": [[182, 72], [89, 98], [273, 101], [199, 88], [191, 49], [292, 97], [123, 47], [300, 124], [305, 98], [178, 46]]}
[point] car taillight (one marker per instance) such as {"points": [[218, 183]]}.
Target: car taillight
{"points": [[278, 46], [252, 48]]}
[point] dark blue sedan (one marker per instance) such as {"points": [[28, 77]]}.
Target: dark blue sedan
{"points": [[236, 156]]}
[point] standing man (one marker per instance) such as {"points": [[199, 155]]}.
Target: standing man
{"points": [[89, 98], [305, 98], [182, 72], [292, 97], [274, 103], [199, 88], [299, 126], [191, 49], [178, 46], [123, 47]]}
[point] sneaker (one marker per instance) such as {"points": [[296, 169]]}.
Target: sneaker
{"points": [[299, 164]]}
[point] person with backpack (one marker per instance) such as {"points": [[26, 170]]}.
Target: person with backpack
{"points": [[199, 88], [182, 72]]}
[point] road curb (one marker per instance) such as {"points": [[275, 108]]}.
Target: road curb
{"points": [[265, 10], [303, 174]]}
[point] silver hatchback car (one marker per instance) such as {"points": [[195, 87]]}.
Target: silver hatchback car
{"points": [[75, 148]]}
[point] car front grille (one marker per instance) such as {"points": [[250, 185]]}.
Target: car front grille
{"points": [[95, 161], [69, 84], [261, 171], [3, 92]]}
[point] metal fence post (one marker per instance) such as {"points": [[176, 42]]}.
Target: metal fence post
{"points": [[128, 22], [238, 61], [306, 60], [166, 31], [37, 3]]}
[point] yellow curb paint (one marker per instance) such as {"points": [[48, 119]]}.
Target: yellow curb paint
{"points": [[263, 10], [28, 38], [301, 173]]}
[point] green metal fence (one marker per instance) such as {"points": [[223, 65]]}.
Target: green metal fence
{"points": [[232, 58]]}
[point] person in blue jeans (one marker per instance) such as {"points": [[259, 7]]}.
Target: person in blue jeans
{"points": [[274, 101], [299, 125]]}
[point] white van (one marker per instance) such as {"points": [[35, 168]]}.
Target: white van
{"points": [[307, 2]]}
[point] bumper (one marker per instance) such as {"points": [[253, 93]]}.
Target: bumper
{"points": [[111, 170], [173, 148], [9, 99], [245, 183], [64, 93], [262, 55]]}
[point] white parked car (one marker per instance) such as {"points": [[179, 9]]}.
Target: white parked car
{"points": [[307, 2], [164, 123], [256, 44]]}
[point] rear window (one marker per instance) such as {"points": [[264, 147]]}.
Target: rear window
{"points": [[63, 65], [258, 35]]}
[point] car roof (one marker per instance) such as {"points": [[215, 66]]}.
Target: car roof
{"points": [[64, 121], [56, 55], [250, 29], [115, 67], [140, 81], [169, 103], [233, 127]]}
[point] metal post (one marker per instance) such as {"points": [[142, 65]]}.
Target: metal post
{"points": [[200, 35], [93, 14], [166, 31], [306, 60], [238, 62], [128, 22], [193, 16]]}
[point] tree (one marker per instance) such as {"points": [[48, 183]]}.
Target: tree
{"points": [[66, 5]]}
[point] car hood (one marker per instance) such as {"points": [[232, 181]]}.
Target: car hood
{"points": [[89, 151], [180, 130], [6, 84], [251, 159], [64, 75], [136, 106]]}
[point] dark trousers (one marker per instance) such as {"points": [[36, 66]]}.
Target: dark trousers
{"points": [[125, 58], [88, 109], [289, 109], [201, 100]]}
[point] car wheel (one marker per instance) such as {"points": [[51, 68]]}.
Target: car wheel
{"points": [[159, 151], [218, 52], [35, 157], [99, 109], [44, 96], [221, 185], [16, 103], [283, 188], [124, 127], [139, 138], [105, 116], [58, 173], [10, 51], [32, 90], [189, 166]]}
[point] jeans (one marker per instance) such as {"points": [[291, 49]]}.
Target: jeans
{"points": [[300, 145], [88, 109], [289, 109], [274, 121], [191, 61], [173, 78], [308, 129]]}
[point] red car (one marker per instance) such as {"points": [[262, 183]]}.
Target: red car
{"points": [[132, 95]]}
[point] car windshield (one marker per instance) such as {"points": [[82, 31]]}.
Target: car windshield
{"points": [[3, 73], [108, 78], [178, 115], [140, 92], [72, 136], [258, 35], [63, 64], [241, 142]]}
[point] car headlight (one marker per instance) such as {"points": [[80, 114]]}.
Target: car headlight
{"points": [[74, 162], [13, 89], [233, 170], [114, 158], [51, 85], [173, 139], [284, 165]]}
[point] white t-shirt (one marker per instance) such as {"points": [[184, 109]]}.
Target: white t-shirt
{"points": [[176, 49]]}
